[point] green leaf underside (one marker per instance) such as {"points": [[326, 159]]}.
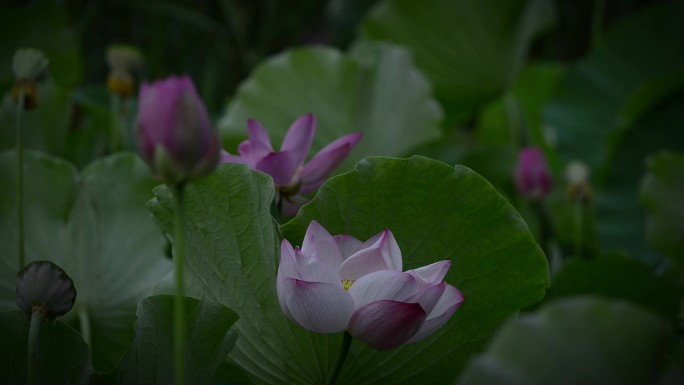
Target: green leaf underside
{"points": [[577, 341], [150, 359], [95, 226], [375, 90], [436, 212], [63, 356]]}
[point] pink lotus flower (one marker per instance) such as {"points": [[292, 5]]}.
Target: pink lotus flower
{"points": [[532, 176], [291, 176], [175, 136], [340, 283]]}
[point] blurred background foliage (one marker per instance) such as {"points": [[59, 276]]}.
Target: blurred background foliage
{"points": [[596, 81]]}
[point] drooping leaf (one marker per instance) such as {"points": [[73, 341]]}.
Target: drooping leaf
{"points": [[375, 90], [62, 355], [661, 192], [436, 212], [469, 52], [151, 358], [576, 341], [96, 227]]}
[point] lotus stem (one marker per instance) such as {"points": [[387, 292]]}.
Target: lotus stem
{"points": [[178, 308], [20, 185], [37, 316], [346, 343]]}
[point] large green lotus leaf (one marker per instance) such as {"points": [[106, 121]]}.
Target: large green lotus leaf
{"points": [[617, 277], [436, 212], [63, 356], [661, 192], [96, 227], [470, 50], [576, 341], [151, 360], [231, 243], [376, 91]]}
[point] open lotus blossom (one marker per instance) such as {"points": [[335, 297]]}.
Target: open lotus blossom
{"points": [[338, 283], [292, 177]]}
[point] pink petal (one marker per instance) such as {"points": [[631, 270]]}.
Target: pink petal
{"points": [[326, 161], [319, 243], [319, 307], [227, 157], [447, 305], [383, 285], [299, 137], [348, 245], [431, 274], [261, 143], [294, 264], [386, 324], [429, 297], [383, 254], [280, 166]]}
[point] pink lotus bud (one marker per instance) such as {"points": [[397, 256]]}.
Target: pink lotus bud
{"points": [[532, 177], [175, 136]]}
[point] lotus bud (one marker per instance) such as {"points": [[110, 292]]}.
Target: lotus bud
{"points": [[532, 176], [174, 134]]}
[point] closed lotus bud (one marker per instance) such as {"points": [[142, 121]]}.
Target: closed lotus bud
{"points": [[532, 176], [175, 136], [44, 288], [29, 65]]}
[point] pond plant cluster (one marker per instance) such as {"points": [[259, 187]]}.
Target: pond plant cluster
{"points": [[382, 192]]}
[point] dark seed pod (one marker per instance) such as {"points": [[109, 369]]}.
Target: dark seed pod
{"points": [[44, 287]]}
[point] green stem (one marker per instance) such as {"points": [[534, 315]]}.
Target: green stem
{"points": [[84, 322], [546, 230], [34, 331], [578, 222], [346, 343], [178, 309], [114, 130], [20, 185]]}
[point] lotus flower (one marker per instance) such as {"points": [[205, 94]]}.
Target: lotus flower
{"points": [[340, 283], [291, 176], [532, 176], [175, 136]]}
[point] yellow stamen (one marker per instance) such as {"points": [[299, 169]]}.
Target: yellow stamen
{"points": [[346, 283]]}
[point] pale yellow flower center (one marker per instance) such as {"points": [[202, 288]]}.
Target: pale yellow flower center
{"points": [[347, 283]]}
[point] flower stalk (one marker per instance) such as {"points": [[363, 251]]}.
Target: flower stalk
{"points": [[178, 308], [344, 349], [37, 317], [20, 184]]}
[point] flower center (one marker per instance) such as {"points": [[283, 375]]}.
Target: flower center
{"points": [[347, 283]]}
